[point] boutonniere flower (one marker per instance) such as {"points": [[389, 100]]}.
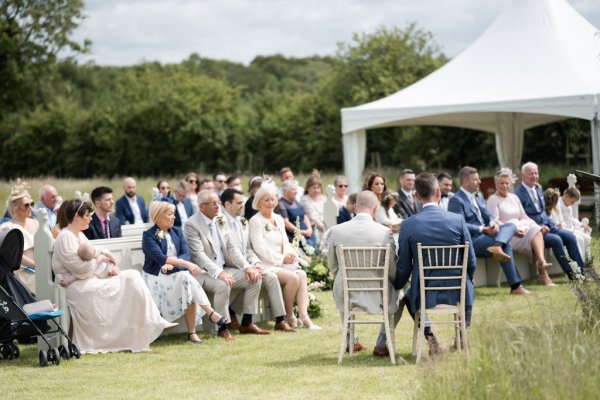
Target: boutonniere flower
{"points": [[243, 221], [160, 235], [267, 227], [221, 220]]}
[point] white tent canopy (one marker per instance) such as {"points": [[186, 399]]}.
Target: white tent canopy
{"points": [[539, 62]]}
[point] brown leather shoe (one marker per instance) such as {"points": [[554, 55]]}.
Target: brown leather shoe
{"points": [[434, 346], [226, 335], [283, 326], [522, 291], [358, 346], [381, 351], [252, 328], [234, 324], [498, 253]]}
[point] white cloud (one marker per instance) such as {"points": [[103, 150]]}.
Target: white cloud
{"points": [[125, 32]]}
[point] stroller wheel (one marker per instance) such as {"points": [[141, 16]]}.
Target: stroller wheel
{"points": [[62, 350], [6, 351], [74, 351], [43, 358], [54, 356]]}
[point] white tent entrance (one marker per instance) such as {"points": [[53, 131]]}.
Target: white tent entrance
{"points": [[539, 62]]}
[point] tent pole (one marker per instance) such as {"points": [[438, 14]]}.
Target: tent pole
{"points": [[595, 125]]}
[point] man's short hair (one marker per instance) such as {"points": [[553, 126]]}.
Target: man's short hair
{"points": [[527, 165], [228, 195], [572, 193], [230, 179], [284, 170], [98, 192], [465, 173], [406, 171], [352, 198], [444, 175], [203, 181], [425, 185], [288, 184], [217, 174], [366, 200], [182, 185]]}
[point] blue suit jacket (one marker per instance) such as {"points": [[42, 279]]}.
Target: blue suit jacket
{"points": [[528, 205], [96, 231], [432, 226], [155, 250], [124, 212], [460, 204], [189, 209], [344, 215]]}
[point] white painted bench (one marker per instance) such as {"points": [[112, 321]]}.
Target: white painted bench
{"points": [[134, 230]]}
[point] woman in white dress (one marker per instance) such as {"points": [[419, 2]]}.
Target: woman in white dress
{"points": [[313, 202], [505, 207], [376, 184], [19, 206], [270, 243], [112, 314], [168, 272]]}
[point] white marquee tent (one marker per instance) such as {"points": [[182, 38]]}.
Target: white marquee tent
{"points": [[539, 62]]}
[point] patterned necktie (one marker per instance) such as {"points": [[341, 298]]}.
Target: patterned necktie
{"points": [[474, 202], [106, 230], [536, 200]]}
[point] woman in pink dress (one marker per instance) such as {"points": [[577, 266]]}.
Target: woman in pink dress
{"points": [[506, 207]]}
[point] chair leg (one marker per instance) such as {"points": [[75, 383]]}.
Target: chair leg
{"points": [[457, 333], [389, 338], [420, 336], [344, 340], [351, 344], [415, 333], [463, 329]]}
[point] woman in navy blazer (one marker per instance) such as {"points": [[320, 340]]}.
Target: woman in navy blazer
{"points": [[168, 271]]}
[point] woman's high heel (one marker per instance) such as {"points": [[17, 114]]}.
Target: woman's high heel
{"points": [[292, 321], [543, 277], [220, 322], [195, 341], [307, 323]]}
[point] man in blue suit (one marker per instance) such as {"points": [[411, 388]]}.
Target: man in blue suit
{"points": [[183, 205], [489, 237], [131, 208], [102, 225], [532, 199], [431, 226]]}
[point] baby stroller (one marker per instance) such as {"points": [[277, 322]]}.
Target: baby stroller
{"points": [[15, 323]]}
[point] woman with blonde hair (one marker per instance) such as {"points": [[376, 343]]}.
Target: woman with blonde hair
{"points": [[313, 202], [270, 243], [169, 273], [19, 205]]}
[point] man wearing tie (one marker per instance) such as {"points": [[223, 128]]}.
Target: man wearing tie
{"points": [[445, 182], [532, 199], [489, 238], [103, 226], [210, 248], [407, 205]]}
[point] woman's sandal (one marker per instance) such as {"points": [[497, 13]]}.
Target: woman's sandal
{"points": [[220, 322], [195, 341]]}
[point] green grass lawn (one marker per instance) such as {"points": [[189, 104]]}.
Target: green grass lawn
{"points": [[296, 365]]}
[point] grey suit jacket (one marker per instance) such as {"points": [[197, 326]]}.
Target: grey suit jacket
{"points": [[202, 246], [245, 256], [362, 231]]}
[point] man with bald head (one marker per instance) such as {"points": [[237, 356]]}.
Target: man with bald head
{"points": [[49, 202], [532, 198], [363, 231], [130, 208]]}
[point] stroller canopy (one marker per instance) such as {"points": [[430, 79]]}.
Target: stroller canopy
{"points": [[11, 251]]}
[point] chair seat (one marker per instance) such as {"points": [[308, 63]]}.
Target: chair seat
{"points": [[443, 309]]}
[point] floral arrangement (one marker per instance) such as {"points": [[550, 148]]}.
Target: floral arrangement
{"points": [[159, 235], [221, 219], [588, 293], [268, 227], [243, 221]]}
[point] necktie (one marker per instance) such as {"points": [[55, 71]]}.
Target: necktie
{"points": [[106, 230], [536, 200], [444, 196], [474, 202]]}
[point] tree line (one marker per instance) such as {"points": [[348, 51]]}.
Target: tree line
{"points": [[62, 118]]}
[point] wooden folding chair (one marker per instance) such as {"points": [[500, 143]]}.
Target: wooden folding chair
{"points": [[365, 271], [442, 268]]}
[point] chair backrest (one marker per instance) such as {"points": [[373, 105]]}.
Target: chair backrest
{"points": [[442, 268], [364, 269]]}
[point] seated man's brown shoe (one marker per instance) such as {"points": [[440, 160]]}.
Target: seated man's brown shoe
{"points": [[283, 326], [234, 324], [434, 346], [522, 291], [358, 346], [381, 351], [252, 328], [226, 335], [498, 253]]}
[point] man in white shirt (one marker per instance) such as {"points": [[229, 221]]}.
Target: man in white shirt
{"points": [[130, 208], [49, 202], [445, 182]]}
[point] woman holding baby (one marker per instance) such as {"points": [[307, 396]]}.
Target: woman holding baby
{"points": [[112, 310]]}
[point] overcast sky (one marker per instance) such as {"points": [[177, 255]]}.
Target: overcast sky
{"points": [[126, 32]]}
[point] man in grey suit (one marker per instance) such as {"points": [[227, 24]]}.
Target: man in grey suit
{"points": [[212, 250], [432, 226], [236, 230], [362, 230]]}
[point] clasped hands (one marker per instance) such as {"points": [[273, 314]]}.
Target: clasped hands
{"points": [[109, 259], [491, 229]]}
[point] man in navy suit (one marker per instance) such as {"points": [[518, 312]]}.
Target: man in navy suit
{"points": [[489, 238], [532, 199], [431, 226], [103, 226], [130, 207], [183, 205]]}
